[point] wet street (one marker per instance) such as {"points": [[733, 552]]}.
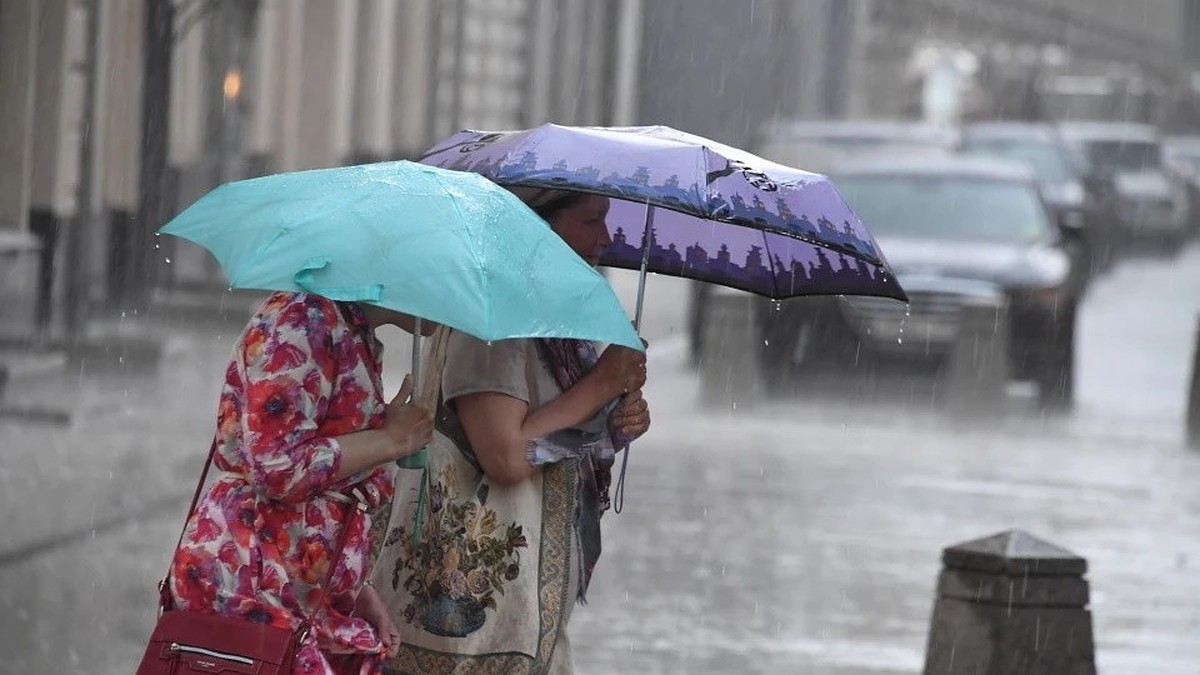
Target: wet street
{"points": [[803, 535]]}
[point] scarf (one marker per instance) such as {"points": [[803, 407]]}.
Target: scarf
{"points": [[593, 443]]}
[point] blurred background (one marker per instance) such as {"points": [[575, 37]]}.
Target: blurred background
{"points": [[117, 114], [1031, 169]]}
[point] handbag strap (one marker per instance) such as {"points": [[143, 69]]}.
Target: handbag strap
{"points": [[164, 595], [352, 506]]}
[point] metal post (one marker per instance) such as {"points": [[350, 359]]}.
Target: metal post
{"points": [[76, 245], [140, 272], [626, 63]]}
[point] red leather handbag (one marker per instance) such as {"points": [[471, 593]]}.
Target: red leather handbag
{"points": [[187, 643]]}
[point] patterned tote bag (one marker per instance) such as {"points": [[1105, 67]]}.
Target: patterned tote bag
{"points": [[476, 577]]}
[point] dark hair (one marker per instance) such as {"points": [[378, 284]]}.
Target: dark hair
{"points": [[565, 200]]}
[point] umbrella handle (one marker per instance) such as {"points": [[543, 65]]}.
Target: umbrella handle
{"points": [[619, 493]]}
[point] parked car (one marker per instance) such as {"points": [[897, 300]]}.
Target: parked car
{"points": [[952, 228], [1087, 204], [1183, 160], [815, 145], [1151, 205]]}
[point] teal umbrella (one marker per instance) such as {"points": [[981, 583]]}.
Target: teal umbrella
{"points": [[447, 246]]}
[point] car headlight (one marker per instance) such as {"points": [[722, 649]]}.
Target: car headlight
{"points": [[1045, 267]]}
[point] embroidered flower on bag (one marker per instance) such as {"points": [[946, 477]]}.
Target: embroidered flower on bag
{"points": [[463, 560]]}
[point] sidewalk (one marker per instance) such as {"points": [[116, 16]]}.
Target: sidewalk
{"points": [[796, 537], [118, 426], [91, 505]]}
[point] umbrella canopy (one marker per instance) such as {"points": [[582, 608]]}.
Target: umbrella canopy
{"points": [[447, 246], [691, 207]]}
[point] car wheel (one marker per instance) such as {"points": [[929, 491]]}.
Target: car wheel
{"points": [[1172, 245], [1056, 374], [789, 334]]}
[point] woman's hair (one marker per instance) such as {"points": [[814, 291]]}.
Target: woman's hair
{"points": [[546, 202]]}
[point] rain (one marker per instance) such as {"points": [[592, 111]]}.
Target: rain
{"points": [[834, 483]]}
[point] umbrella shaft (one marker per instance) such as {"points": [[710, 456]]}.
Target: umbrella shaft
{"points": [[416, 355], [641, 295]]}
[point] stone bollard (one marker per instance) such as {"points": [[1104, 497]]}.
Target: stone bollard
{"points": [[979, 360], [1011, 604], [1193, 406], [730, 375]]}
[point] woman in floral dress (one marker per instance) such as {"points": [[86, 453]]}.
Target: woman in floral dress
{"points": [[302, 431]]}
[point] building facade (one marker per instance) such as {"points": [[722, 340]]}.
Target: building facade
{"points": [[323, 83], [191, 93], [721, 69], [114, 114]]}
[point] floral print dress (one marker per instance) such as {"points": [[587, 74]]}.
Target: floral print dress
{"points": [[305, 371]]}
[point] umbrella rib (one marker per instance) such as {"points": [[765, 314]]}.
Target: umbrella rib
{"points": [[771, 264], [483, 277]]}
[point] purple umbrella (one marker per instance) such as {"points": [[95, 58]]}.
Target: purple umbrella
{"points": [[686, 206], [690, 207]]}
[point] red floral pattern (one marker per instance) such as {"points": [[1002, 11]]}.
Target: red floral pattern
{"points": [[262, 537]]}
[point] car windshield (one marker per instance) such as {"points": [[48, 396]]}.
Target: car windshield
{"points": [[962, 208], [1125, 156], [1048, 161]]}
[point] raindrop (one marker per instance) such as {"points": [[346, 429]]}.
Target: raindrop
{"points": [[904, 322]]}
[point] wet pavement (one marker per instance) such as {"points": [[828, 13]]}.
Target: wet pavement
{"points": [[803, 535]]}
